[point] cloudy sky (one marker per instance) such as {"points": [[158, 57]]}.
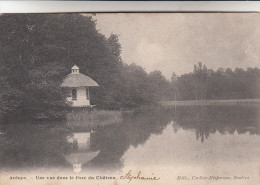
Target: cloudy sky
{"points": [[174, 42]]}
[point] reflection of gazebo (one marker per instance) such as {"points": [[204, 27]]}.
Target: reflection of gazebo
{"points": [[78, 159], [82, 144], [78, 85]]}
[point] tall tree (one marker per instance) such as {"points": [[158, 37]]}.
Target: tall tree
{"points": [[200, 80], [174, 85]]}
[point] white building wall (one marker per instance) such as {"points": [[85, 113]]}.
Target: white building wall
{"points": [[82, 139], [81, 100]]}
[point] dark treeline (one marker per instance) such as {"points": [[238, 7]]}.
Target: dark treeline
{"points": [[206, 84], [38, 50]]}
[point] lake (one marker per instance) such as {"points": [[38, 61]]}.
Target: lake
{"points": [[185, 140]]}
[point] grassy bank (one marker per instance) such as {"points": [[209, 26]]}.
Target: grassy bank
{"points": [[83, 120], [243, 102]]}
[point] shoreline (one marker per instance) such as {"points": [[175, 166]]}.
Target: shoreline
{"points": [[246, 102]]}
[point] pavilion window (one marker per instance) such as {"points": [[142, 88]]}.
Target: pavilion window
{"points": [[87, 92], [74, 94]]}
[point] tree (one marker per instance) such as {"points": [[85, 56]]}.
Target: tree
{"points": [[174, 85], [114, 45], [30, 81], [137, 89], [200, 80], [160, 86]]}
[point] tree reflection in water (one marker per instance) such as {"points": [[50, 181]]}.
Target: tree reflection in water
{"points": [[30, 145], [206, 120], [113, 142]]}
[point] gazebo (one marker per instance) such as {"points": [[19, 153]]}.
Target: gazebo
{"points": [[78, 85]]}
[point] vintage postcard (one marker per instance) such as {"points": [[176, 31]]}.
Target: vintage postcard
{"points": [[130, 98]]}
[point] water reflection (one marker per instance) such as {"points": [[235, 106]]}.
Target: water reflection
{"points": [[206, 120], [33, 145], [83, 149], [137, 128], [30, 145]]}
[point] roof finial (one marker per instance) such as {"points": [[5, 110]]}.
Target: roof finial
{"points": [[74, 69]]}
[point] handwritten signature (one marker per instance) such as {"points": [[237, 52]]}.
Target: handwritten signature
{"points": [[130, 177]]}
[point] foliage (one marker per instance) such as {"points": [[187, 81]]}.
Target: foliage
{"points": [[160, 85], [206, 84], [38, 51]]}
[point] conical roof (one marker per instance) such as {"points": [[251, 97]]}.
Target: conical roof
{"points": [[76, 79], [81, 157]]}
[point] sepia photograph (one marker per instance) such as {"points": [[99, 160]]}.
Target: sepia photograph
{"points": [[130, 98]]}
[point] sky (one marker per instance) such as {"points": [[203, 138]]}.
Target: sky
{"points": [[174, 42]]}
